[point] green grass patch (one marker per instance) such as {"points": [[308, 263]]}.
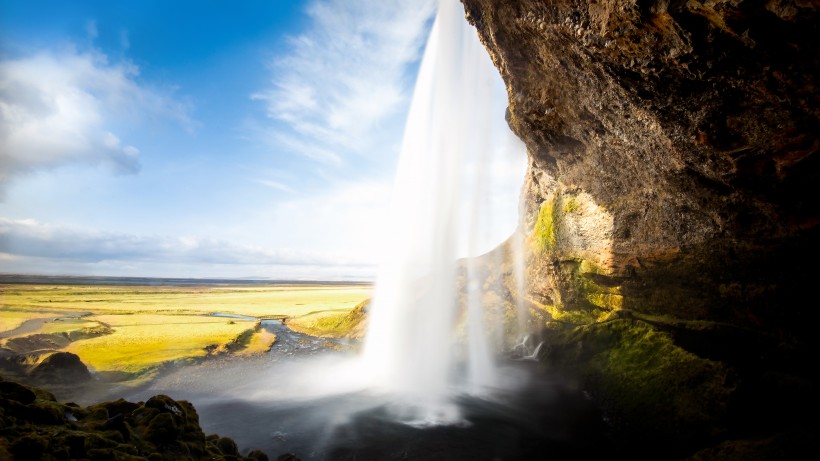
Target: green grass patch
{"points": [[571, 206], [331, 324], [640, 374]]}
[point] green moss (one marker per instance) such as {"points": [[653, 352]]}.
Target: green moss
{"points": [[587, 296], [576, 316], [611, 302], [643, 378], [544, 232], [588, 267], [571, 206], [587, 293], [161, 428]]}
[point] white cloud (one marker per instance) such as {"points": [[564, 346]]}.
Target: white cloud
{"points": [[27, 238], [310, 149], [346, 76], [347, 216], [62, 108]]}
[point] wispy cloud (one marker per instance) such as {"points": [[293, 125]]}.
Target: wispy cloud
{"points": [[346, 75], [91, 29], [31, 238], [59, 108], [275, 185]]}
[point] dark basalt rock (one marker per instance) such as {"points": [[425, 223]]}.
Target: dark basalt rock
{"points": [[671, 209], [17, 392], [33, 425], [61, 368]]}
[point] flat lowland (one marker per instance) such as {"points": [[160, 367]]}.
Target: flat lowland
{"points": [[128, 332]]}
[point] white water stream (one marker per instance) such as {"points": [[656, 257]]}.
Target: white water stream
{"points": [[427, 346], [441, 210]]}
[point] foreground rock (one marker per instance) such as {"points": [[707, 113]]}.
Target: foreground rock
{"points": [[671, 210], [61, 368], [33, 425]]}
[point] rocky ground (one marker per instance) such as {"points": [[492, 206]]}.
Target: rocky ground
{"points": [[34, 425]]}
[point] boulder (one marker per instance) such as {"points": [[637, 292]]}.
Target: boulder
{"points": [[61, 368]]}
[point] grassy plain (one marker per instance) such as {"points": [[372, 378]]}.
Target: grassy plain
{"points": [[273, 301], [128, 332], [142, 341]]}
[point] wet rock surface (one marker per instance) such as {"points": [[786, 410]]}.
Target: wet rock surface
{"points": [[687, 132]]}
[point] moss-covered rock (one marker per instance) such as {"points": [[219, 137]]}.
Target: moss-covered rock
{"points": [[61, 368], [670, 387], [33, 425], [543, 234], [650, 388]]}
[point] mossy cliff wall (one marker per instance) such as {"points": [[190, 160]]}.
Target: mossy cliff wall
{"points": [[671, 202]]}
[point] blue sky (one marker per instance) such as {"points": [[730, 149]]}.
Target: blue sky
{"points": [[202, 138]]}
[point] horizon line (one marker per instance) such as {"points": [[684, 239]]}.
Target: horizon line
{"points": [[9, 277]]}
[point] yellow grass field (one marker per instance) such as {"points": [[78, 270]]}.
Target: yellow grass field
{"points": [[257, 301], [141, 341], [125, 332]]}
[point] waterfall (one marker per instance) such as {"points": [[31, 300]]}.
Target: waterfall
{"points": [[440, 209]]}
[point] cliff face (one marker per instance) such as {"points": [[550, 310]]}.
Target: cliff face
{"points": [[672, 186]]}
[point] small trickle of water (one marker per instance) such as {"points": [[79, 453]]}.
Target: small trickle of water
{"points": [[439, 213]]}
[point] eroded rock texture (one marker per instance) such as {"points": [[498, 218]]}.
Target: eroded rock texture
{"points": [[671, 203]]}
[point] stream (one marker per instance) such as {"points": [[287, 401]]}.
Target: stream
{"points": [[33, 325]]}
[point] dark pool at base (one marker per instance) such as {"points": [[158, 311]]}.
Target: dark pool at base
{"points": [[542, 418], [553, 423]]}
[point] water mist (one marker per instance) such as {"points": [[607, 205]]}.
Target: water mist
{"points": [[440, 210]]}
